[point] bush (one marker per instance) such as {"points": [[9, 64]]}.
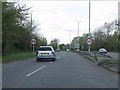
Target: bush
{"points": [[17, 56]]}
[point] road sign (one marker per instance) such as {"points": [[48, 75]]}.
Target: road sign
{"points": [[33, 41], [89, 41]]}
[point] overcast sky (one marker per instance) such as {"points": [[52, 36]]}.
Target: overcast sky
{"points": [[57, 18]]}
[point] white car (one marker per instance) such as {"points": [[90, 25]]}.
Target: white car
{"points": [[45, 53], [67, 50], [102, 51]]}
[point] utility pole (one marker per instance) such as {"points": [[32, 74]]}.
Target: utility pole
{"points": [[31, 21], [78, 35], [78, 28], [33, 43], [89, 16], [89, 24], [70, 39]]}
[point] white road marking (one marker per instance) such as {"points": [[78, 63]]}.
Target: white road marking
{"points": [[50, 62], [61, 56], [43, 66], [58, 57], [36, 71]]}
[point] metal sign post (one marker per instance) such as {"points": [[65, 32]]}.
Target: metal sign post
{"points": [[89, 48], [33, 48], [89, 41], [33, 42]]}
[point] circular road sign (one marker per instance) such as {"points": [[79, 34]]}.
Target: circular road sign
{"points": [[33, 41], [89, 41]]}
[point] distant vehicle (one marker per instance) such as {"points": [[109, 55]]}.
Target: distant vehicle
{"points": [[45, 53], [102, 51], [67, 49]]}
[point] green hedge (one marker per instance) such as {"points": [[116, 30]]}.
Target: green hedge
{"points": [[17, 56]]}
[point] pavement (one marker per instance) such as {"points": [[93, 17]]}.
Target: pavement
{"points": [[70, 70]]}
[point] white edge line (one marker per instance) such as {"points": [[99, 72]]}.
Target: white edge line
{"points": [[36, 71]]}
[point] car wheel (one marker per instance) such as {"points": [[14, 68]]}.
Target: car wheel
{"points": [[53, 59], [37, 60]]}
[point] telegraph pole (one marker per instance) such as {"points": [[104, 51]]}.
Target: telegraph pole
{"points": [[31, 21], [89, 16], [78, 28], [78, 35], [70, 39], [89, 24], [33, 41]]}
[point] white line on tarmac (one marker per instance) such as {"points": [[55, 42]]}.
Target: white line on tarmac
{"points": [[35, 71], [50, 62], [61, 56], [58, 57]]}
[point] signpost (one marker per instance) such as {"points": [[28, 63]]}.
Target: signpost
{"points": [[33, 42], [89, 41]]}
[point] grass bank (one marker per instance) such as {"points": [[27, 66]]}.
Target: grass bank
{"points": [[17, 56]]}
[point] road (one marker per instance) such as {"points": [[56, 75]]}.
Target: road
{"points": [[70, 70]]}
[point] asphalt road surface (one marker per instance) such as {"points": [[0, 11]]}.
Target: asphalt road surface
{"points": [[70, 70]]}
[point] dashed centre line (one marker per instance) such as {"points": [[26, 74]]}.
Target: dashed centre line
{"points": [[61, 56], [50, 62], [42, 67], [35, 71]]}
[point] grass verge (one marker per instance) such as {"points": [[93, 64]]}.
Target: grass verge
{"points": [[17, 56]]}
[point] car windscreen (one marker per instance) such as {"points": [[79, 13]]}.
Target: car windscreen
{"points": [[44, 49]]}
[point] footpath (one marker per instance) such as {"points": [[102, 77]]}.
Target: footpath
{"points": [[106, 61]]}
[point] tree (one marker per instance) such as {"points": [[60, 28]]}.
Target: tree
{"points": [[16, 37], [42, 41], [106, 35], [54, 43], [62, 47], [99, 38]]}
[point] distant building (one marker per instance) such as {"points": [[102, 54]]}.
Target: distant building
{"points": [[75, 44]]}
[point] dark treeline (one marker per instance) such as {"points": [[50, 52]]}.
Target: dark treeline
{"points": [[17, 30]]}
